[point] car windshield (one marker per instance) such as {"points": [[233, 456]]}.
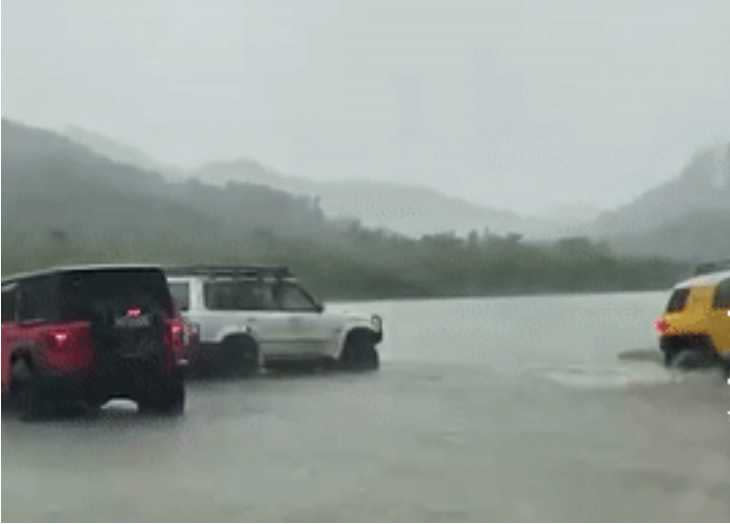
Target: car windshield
{"points": [[84, 292]]}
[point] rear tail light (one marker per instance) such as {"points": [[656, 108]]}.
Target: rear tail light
{"points": [[59, 338], [177, 331], [661, 325], [134, 312], [177, 335]]}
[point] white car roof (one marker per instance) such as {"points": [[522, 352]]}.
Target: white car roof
{"points": [[710, 279]]}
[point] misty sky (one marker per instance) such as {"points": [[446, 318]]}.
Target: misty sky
{"points": [[516, 105]]}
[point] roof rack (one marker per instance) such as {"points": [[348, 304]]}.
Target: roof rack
{"points": [[249, 271], [712, 267]]}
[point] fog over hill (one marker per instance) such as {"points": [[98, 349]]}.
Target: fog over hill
{"points": [[65, 203], [407, 209], [702, 186], [687, 217]]}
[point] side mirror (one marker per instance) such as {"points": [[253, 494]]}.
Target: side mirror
{"points": [[319, 307]]}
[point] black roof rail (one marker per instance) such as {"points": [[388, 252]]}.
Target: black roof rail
{"points": [[711, 267], [230, 271]]}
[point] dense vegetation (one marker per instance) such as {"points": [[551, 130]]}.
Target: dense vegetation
{"points": [[61, 203]]}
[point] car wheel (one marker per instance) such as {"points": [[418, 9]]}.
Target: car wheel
{"points": [[669, 355], [359, 354], [241, 356], [27, 395], [31, 400], [687, 359], [168, 399]]}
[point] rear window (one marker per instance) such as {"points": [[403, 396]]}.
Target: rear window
{"points": [[8, 304], [238, 295], [180, 295], [38, 299], [722, 295], [86, 294], [678, 300]]}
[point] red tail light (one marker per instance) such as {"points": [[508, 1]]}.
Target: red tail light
{"points": [[661, 325], [177, 335], [59, 338], [134, 312]]}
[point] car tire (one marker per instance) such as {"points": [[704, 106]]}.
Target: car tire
{"points": [[669, 355], [31, 400], [687, 359], [27, 394], [359, 354], [241, 356], [168, 399]]}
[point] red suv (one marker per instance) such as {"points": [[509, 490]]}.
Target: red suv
{"points": [[92, 333]]}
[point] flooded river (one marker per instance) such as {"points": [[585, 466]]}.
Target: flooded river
{"points": [[532, 408]]}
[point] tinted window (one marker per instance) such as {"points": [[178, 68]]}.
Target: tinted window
{"points": [[38, 299], [180, 295], [678, 300], [291, 297], [8, 304], [88, 294], [238, 295], [722, 295]]}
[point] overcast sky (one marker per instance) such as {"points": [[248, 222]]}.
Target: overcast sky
{"points": [[516, 105]]}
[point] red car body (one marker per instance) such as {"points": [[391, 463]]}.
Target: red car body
{"points": [[93, 333]]}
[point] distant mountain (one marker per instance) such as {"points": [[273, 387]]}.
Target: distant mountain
{"points": [[696, 237], [406, 209], [576, 215], [686, 218], [64, 203], [702, 186], [117, 151]]}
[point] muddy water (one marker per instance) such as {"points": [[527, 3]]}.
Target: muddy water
{"points": [[549, 408]]}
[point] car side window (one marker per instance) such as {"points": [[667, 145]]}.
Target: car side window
{"points": [[8, 304], [293, 298], [181, 295], [722, 295], [237, 295]]}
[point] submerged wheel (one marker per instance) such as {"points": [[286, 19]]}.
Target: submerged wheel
{"points": [[31, 401], [359, 353], [240, 356], [669, 355], [687, 359], [167, 399], [28, 394]]}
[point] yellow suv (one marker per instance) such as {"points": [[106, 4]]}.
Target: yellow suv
{"points": [[696, 324]]}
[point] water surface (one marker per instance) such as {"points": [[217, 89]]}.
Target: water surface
{"points": [[531, 408]]}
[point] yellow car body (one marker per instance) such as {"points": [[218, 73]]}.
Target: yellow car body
{"points": [[697, 317]]}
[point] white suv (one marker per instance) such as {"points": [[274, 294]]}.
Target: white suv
{"points": [[251, 316]]}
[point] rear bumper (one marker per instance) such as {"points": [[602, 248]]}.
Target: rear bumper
{"points": [[670, 344], [118, 379]]}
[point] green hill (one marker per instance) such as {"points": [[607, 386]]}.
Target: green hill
{"points": [[63, 203]]}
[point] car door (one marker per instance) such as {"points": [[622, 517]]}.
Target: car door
{"points": [[305, 330]]}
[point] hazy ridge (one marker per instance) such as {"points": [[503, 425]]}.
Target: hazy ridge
{"points": [[64, 203]]}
